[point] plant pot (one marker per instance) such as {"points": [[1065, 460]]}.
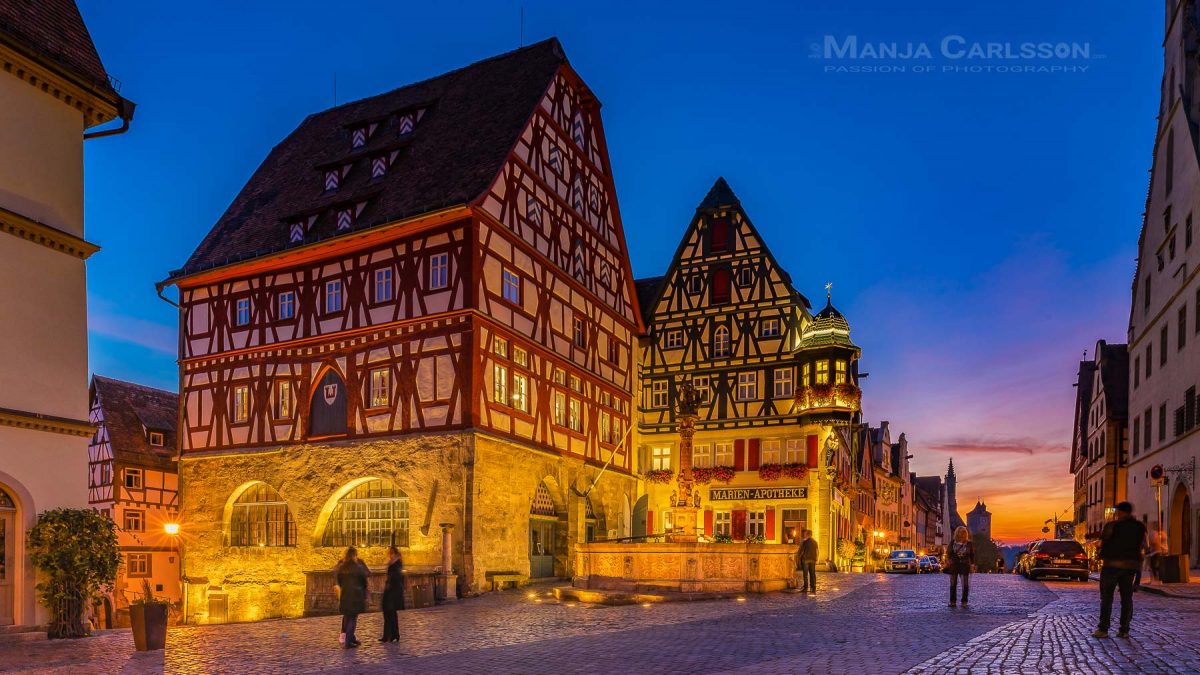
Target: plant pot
{"points": [[149, 626]]}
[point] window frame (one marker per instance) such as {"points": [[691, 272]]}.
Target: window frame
{"points": [[285, 299], [439, 271], [334, 292], [379, 388], [777, 380], [723, 453], [133, 479], [384, 280], [822, 372], [241, 312], [673, 339], [770, 327], [660, 394], [144, 570], [747, 383], [161, 438], [510, 287], [722, 348], [660, 458], [136, 515], [285, 404], [239, 404]]}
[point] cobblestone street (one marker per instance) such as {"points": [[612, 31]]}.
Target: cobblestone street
{"points": [[858, 624]]}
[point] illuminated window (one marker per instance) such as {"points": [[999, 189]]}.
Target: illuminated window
{"points": [[659, 393], [134, 520], [560, 376], [137, 565], [721, 343], [839, 372], [660, 459], [722, 523], [574, 416], [243, 311], [520, 356], [770, 328], [823, 372], [674, 339], [156, 438], [756, 525], [723, 456], [793, 451], [241, 403], [560, 408], [439, 271], [606, 427], [333, 295], [511, 287], [261, 518], [702, 455], [283, 399], [381, 387], [500, 384], [747, 386], [520, 392], [771, 452], [701, 383], [783, 382], [805, 374], [383, 284], [500, 347], [133, 479], [576, 384], [372, 514], [287, 305]]}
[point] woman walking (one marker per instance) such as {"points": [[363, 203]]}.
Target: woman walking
{"points": [[959, 560], [393, 596], [352, 589]]}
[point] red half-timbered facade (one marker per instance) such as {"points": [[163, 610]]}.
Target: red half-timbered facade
{"points": [[444, 261]]}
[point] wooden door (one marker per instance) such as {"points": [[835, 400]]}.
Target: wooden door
{"points": [[8, 546], [327, 412]]}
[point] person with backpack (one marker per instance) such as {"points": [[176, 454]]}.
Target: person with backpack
{"points": [[1122, 543]]}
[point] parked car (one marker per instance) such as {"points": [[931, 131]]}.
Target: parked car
{"points": [[923, 566], [1055, 558], [903, 560], [935, 565]]}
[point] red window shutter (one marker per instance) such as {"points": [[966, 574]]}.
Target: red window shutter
{"points": [[718, 236], [720, 286], [812, 450], [753, 463], [708, 521], [770, 523], [739, 524], [649, 522], [739, 455]]}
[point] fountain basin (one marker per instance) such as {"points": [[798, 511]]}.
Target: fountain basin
{"points": [[684, 567]]}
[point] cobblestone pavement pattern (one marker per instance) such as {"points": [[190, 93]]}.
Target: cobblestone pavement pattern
{"points": [[869, 624]]}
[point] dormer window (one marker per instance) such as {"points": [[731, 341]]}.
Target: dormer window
{"points": [[345, 218], [379, 167], [156, 439], [333, 180]]}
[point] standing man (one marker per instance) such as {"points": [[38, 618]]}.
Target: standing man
{"points": [[1122, 543], [806, 562]]}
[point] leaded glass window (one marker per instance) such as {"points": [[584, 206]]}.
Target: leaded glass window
{"points": [[372, 514], [261, 518]]}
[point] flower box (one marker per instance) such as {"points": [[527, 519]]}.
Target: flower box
{"points": [[659, 476]]}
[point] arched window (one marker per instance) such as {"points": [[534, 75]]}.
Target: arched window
{"points": [[543, 502], [372, 514], [721, 342], [720, 286], [261, 518]]}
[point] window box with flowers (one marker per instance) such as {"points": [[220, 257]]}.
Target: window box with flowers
{"points": [[658, 476], [797, 471], [720, 474], [770, 472]]}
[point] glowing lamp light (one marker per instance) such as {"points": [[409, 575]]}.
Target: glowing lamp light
{"points": [[171, 528], [646, 605]]}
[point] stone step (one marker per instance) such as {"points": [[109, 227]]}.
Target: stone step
{"points": [[14, 634]]}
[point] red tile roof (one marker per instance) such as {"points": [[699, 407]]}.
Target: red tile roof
{"points": [[130, 412], [54, 31], [472, 119]]}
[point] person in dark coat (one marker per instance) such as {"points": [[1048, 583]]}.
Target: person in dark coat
{"points": [[352, 591], [1122, 543], [959, 559], [806, 562], [393, 596]]}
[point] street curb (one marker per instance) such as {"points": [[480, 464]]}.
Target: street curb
{"points": [[1155, 590]]}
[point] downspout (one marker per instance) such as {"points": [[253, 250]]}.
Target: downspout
{"points": [[125, 109], [184, 589]]}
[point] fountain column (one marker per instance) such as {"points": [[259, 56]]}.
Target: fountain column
{"points": [[685, 502]]}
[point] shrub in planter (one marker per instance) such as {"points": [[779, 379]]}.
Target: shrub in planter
{"points": [[659, 476], [148, 615], [77, 553]]}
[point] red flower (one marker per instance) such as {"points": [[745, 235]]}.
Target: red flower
{"points": [[770, 472], [659, 476], [797, 471]]}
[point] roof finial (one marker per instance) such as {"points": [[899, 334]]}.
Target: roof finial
{"points": [[829, 291]]}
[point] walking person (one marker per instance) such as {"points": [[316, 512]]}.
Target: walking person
{"points": [[393, 596], [960, 558], [352, 592], [806, 562], [1122, 542]]}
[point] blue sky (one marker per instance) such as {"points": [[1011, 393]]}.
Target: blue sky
{"points": [[980, 228]]}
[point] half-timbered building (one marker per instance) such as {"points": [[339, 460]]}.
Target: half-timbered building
{"points": [[774, 382], [418, 317], [132, 478]]}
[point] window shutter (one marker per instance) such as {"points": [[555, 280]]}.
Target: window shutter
{"points": [[708, 523], [739, 523], [649, 522], [770, 523], [812, 450], [739, 455], [753, 463]]}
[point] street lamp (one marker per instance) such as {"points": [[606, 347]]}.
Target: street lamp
{"points": [[875, 534], [173, 530]]}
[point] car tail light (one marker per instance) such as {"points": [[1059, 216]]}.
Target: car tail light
{"points": [[1080, 556], [1041, 555]]}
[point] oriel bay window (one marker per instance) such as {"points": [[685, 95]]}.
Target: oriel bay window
{"points": [[261, 518], [806, 375], [839, 371], [372, 514], [822, 372]]}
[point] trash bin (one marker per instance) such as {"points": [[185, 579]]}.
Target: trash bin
{"points": [[1173, 569], [422, 595]]}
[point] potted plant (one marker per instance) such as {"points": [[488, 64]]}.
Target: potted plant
{"points": [[148, 615]]}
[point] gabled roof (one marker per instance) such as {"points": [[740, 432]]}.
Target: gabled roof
{"points": [[130, 412], [54, 31], [647, 292], [718, 196], [471, 120]]}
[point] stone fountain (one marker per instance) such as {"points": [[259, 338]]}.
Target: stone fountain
{"points": [[685, 562]]}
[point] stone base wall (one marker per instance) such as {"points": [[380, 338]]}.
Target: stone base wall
{"points": [[481, 484], [684, 567]]}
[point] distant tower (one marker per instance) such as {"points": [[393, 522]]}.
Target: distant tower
{"points": [[956, 520], [979, 520]]}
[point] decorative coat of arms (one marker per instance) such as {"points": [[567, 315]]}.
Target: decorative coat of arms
{"points": [[330, 391]]}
